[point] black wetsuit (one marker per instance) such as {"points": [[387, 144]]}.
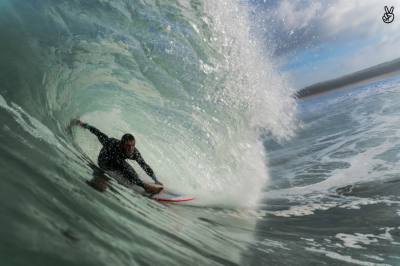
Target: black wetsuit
{"points": [[111, 158]]}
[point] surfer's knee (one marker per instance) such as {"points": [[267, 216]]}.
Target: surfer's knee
{"points": [[132, 176]]}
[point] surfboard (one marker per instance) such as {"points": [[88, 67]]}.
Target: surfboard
{"points": [[102, 183], [168, 196]]}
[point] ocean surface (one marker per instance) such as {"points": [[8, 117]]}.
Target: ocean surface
{"points": [[276, 181]]}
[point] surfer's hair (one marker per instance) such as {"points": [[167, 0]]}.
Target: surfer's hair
{"points": [[127, 137]]}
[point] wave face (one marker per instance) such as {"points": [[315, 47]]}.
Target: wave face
{"points": [[187, 78]]}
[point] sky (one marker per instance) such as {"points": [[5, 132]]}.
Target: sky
{"points": [[316, 40]]}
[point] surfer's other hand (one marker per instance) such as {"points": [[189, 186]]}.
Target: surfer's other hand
{"points": [[158, 183], [152, 189]]}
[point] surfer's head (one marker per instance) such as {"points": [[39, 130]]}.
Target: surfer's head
{"points": [[128, 144]]}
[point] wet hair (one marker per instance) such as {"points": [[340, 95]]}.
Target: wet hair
{"points": [[127, 137]]}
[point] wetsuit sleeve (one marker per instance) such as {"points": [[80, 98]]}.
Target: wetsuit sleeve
{"points": [[139, 159], [103, 138]]}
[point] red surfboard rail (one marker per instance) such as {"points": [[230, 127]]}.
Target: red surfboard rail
{"points": [[173, 200], [167, 195]]}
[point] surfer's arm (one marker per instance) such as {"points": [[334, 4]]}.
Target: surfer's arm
{"points": [[103, 138], [139, 159]]}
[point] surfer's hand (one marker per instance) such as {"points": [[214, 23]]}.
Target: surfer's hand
{"points": [[152, 189], [76, 122]]}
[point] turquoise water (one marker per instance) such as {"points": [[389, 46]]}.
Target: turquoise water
{"points": [[277, 182]]}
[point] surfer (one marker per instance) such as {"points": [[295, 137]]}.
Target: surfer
{"points": [[113, 154]]}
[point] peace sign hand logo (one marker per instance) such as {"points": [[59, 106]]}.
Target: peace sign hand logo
{"points": [[388, 17]]}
